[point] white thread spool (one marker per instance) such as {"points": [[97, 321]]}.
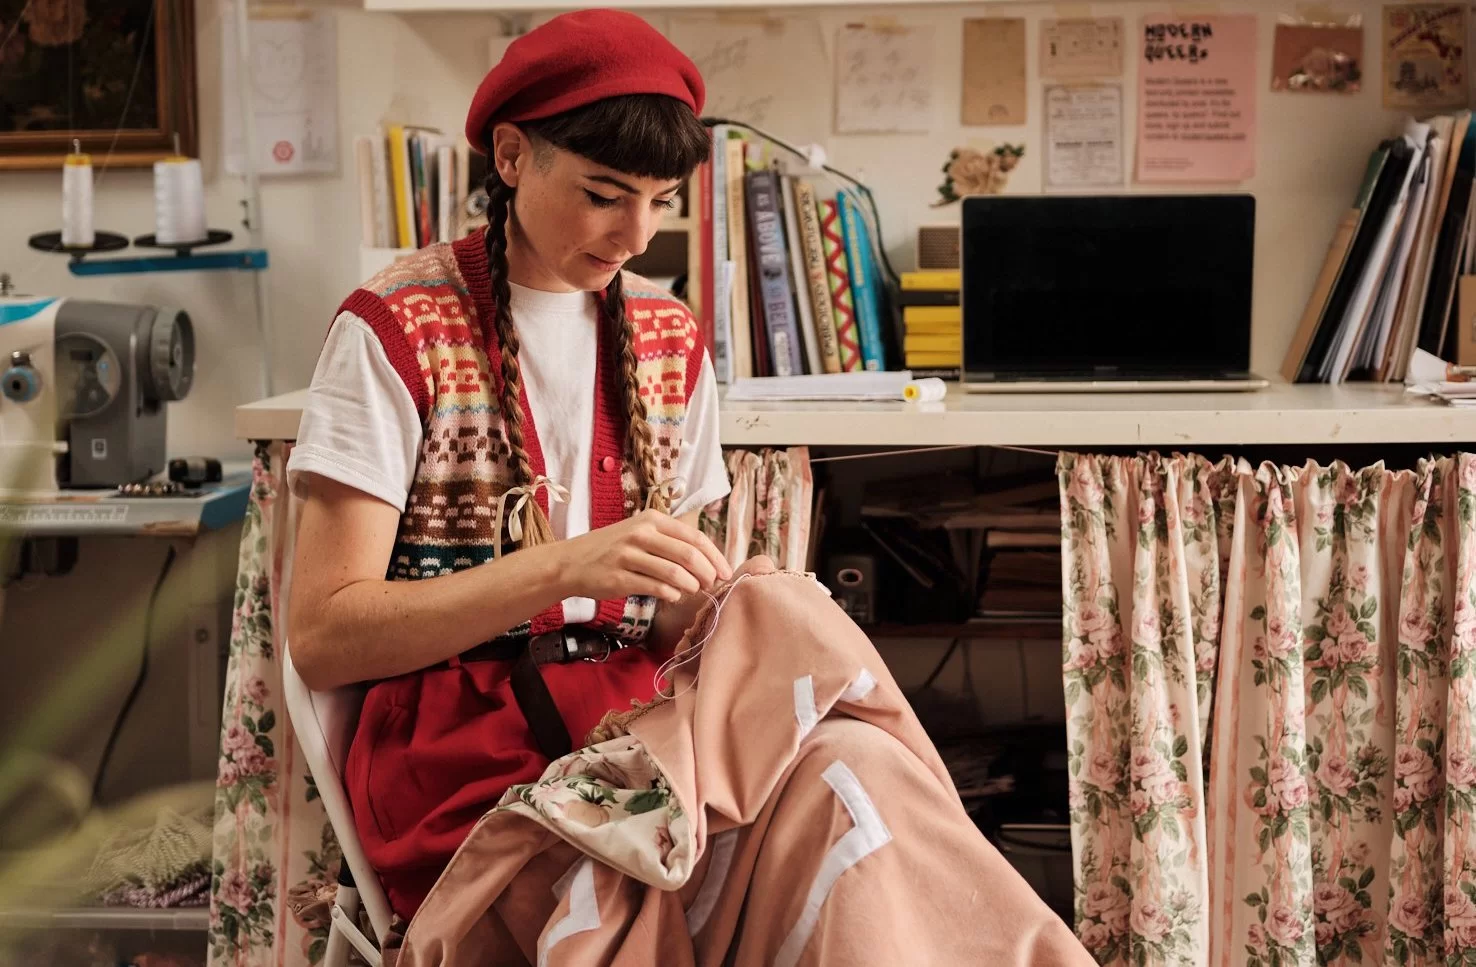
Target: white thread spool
{"points": [[179, 201], [77, 229], [928, 390]]}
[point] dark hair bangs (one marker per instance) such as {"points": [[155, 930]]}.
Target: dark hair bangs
{"points": [[645, 135]]}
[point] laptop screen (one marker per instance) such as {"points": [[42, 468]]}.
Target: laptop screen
{"points": [[1097, 285]]}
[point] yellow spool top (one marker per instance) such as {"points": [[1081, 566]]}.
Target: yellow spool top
{"points": [[78, 160]]}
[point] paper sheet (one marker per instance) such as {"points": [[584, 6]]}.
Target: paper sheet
{"points": [[294, 91], [1083, 136], [753, 64], [1197, 98], [994, 71], [883, 79], [1081, 48], [1424, 55]]}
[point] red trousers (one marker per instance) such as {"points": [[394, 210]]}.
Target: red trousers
{"points": [[436, 749]]}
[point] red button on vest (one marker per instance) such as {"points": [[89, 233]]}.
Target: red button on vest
{"points": [[607, 464]]}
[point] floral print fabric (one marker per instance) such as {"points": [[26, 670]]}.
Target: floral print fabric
{"points": [[768, 510], [1270, 702], [275, 855]]}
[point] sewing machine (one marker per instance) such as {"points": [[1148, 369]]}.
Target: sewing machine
{"points": [[82, 389]]}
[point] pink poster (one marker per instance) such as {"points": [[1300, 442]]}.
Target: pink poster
{"points": [[1197, 98]]}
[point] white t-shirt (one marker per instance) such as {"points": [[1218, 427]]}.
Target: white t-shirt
{"points": [[360, 426]]}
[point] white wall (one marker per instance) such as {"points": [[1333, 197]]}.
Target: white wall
{"points": [[1311, 152]]}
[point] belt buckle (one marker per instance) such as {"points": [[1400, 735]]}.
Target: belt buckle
{"points": [[605, 656]]}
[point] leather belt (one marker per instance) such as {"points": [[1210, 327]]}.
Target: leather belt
{"points": [[528, 687], [549, 648]]}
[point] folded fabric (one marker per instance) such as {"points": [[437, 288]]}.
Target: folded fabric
{"points": [[783, 807]]}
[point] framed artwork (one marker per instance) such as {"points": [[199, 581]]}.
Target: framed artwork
{"points": [[116, 75]]}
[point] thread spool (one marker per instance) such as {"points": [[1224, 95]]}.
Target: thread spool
{"points": [[928, 390], [76, 230], [179, 201]]}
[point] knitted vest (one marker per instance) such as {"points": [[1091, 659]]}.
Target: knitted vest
{"points": [[433, 313]]}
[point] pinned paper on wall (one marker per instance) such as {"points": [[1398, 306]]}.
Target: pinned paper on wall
{"points": [[1081, 48], [753, 64], [1197, 98], [1083, 136], [293, 87], [883, 79], [1424, 54], [994, 71]]}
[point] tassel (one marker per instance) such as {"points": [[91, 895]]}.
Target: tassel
{"points": [[527, 524]]}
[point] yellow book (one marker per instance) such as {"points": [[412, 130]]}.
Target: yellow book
{"points": [[933, 280], [933, 360], [931, 343], [399, 153], [953, 314], [933, 329]]}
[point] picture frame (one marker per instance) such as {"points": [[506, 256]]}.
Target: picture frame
{"points": [[116, 76]]}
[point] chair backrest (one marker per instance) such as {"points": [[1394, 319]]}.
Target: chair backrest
{"points": [[324, 723]]}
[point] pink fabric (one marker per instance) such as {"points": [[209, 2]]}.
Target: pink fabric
{"points": [[784, 808]]}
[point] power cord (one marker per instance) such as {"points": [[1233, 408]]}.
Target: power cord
{"points": [[143, 670], [893, 278]]}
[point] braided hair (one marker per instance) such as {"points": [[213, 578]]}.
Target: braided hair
{"points": [[644, 135]]}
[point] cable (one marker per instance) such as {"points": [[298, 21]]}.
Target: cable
{"points": [[881, 250], [143, 670], [942, 663]]}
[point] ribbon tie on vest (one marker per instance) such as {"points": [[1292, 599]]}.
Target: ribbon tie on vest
{"points": [[524, 506]]}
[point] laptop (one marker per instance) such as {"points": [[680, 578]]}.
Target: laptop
{"points": [[1107, 293]]}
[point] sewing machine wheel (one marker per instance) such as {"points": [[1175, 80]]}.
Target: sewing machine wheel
{"points": [[88, 375], [171, 355]]}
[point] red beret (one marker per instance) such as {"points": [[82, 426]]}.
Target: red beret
{"points": [[576, 59]]}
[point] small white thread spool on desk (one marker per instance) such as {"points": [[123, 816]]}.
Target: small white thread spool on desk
{"points": [[929, 389], [179, 201], [77, 231]]}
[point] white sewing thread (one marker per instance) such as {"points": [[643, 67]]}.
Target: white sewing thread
{"points": [[584, 909], [869, 835], [694, 651]]}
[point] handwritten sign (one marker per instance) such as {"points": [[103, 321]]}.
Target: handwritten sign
{"points": [[1196, 98], [753, 64], [883, 79]]}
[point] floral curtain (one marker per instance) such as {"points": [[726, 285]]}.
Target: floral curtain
{"points": [[1269, 689], [275, 854], [769, 509], [276, 858]]}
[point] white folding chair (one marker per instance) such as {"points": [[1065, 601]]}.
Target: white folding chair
{"points": [[324, 723]]}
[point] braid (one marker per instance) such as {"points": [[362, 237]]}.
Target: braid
{"points": [[536, 529], [638, 443]]}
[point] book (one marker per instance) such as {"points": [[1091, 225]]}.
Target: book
{"points": [[858, 254], [741, 347], [838, 275], [949, 315], [399, 155], [798, 280], [936, 280], [814, 259], [949, 343], [719, 261], [772, 268]]}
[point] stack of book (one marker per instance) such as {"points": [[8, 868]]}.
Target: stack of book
{"points": [[413, 186], [932, 323], [1397, 276], [789, 283]]}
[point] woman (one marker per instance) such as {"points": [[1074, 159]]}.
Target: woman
{"points": [[514, 390]]}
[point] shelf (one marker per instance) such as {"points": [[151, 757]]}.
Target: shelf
{"points": [[89, 512], [453, 6], [250, 260], [107, 918], [1283, 414]]}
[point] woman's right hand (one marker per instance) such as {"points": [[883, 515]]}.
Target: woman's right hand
{"points": [[650, 554]]}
